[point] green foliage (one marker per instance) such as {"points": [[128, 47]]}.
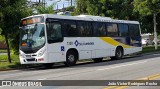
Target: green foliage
{"points": [[2, 38], [13, 57], [72, 13], [5, 65], [158, 36], [146, 8], [45, 10], [3, 51], [119, 9], [81, 7], [11, 12], [139, 10], [148, 49], [70, 8]]}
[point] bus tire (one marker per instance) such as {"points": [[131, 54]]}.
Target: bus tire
{"points": [[71, 58], [118, 53], [48, 65], [96, 60]]}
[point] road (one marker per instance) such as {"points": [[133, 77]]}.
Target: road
{"points": [[145, 67]]}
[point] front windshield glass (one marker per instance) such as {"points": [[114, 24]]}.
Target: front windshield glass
{"points": [[32, 37]]}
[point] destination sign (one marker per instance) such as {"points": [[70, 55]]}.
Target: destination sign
{"points": [[32, 20]]}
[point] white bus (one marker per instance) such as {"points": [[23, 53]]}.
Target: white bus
{"points": [[47, 39]]}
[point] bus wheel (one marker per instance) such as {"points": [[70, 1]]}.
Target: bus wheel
{"points": [[71, 58], [48, 65], [118, 54], [96, 60]]}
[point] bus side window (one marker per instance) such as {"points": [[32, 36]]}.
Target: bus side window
{"points": [[123, 30], [99, 29], [54, 33], [112, 30], [84, 29], [71, 28], [134, 30]]}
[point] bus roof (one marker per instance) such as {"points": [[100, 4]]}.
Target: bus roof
{"points": [[85, 18]]}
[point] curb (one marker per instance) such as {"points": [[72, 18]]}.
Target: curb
{"points": [[6, 69]]}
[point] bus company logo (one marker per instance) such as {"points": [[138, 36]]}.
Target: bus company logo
{"points": [[76, 43], [83, 43]]}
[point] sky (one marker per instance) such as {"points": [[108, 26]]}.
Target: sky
{"points": [[59, 3]]}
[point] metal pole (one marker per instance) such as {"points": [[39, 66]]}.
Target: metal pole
{"points": [[44, 3], [68, 2], [155, 30], [63, 5], [71, 2]]}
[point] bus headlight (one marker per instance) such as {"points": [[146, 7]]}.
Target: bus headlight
{"points": [[41, 52], [22, 56]]}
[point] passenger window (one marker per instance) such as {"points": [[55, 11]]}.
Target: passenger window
{"points": [[134, 30], [99, 29], [54, 33], [112, 30], [71, 29], [84, 29], [123, 30]]}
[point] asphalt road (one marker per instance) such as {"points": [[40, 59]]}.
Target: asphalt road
{"points": [[144, 67]]}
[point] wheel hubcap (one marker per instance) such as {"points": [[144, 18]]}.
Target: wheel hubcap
{"points": [[71, 58], [119, 53]]}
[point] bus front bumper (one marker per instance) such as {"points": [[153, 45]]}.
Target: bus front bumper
{"points": [[29, 59]]}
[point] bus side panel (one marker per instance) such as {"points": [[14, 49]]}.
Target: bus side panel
{"points": [[85, 54], [102, 48], [136, 42], [88, 47], [85, 46], [125, 41], [56, 52], [133, 42]]}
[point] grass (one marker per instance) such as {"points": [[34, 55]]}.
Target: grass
{"points": [[4, 65], [147, 49], [5, 57], [3, 51], [7, 66]]}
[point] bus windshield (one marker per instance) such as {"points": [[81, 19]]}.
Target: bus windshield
{"points": [[32, 38]]}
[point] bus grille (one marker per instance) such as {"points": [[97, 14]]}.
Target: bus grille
{"points": [[32, 59]]}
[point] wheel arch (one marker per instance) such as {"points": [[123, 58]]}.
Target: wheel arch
{"points": [[75, 50], [120, 47]]}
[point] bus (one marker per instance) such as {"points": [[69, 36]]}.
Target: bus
{"points": [[47, 39]]}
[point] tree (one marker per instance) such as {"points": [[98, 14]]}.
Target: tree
{"points": [[122, 9], [45, 10], [70, 8], [11, 11], [81, 7], [148, 7], [118, 9]]}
